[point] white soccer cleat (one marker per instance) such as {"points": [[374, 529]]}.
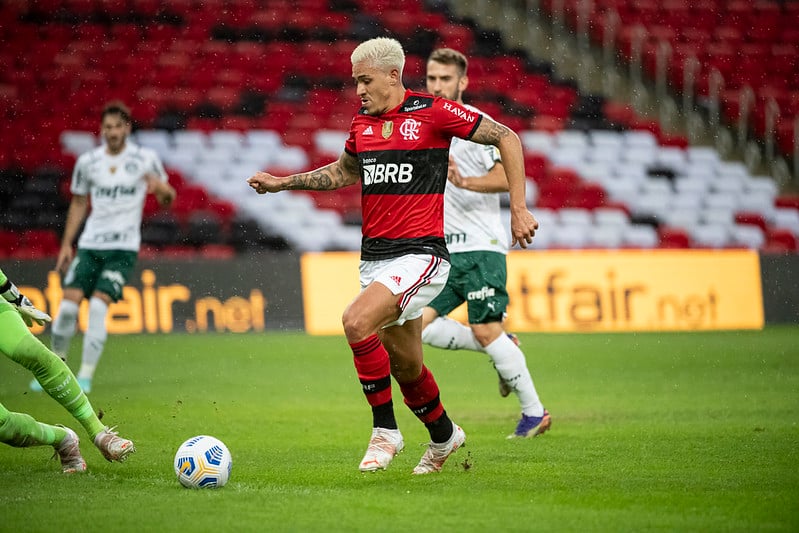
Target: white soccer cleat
{"points": [[112, 446], [383, 446], [68, 451], [433, 459]]}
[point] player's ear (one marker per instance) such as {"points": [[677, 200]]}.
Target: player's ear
{"points": [[463, 83]]}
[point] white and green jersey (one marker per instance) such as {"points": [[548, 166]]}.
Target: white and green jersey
{"points": [[117, 188], [472, 220]]}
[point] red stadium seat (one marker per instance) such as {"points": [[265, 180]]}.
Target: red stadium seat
{"points": [[780, 241], [673, 238]]}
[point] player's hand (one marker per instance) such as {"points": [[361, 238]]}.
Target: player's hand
{"points": [[65, 256], [24, 306], [523, 226], [164, 193], [263, 182], [30, 314], [454, 175]]}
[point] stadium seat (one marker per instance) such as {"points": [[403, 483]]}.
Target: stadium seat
{"points": [[787, 218], [747, 236], [672, 237], [569, 237], [78, 142], [640, 236], [606, 237], [780, 241], [711, 235]]}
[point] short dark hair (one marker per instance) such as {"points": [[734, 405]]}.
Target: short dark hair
{"points": [[448, 56], [116, 107]]}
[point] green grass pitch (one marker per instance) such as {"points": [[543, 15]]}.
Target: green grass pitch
{"points": [[651, 432]]}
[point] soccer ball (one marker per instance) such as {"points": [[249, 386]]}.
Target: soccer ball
{"points": [[203, 462]]}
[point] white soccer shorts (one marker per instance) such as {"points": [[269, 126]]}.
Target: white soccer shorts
{"points": [[417, 278]]}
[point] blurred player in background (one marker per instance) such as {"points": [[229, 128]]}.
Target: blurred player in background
{"points": [[116, 176], [398, 149], [21, 430], [478, 244]]}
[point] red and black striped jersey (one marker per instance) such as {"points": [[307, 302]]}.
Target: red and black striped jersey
{"points": [[402, 157]]}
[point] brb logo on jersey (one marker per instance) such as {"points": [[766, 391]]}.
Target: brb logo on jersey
{"points": [[410, 129], [374, 172], [387, 173]]}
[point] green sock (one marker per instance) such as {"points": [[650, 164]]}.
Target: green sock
{"points": [[58, 381], [21, 430]]}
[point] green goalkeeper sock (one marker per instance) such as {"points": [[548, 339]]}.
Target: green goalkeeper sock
{"points": [[21, 430], [58, 381]]}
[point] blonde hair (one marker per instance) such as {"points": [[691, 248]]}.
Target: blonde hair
{"points": [[382, 52]]}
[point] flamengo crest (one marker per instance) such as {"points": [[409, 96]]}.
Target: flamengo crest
{"points": [[410, 129]]}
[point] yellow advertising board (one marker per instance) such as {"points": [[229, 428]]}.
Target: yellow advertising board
{"points": [[582, 291]]}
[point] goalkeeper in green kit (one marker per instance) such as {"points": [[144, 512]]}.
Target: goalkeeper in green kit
{"points": [[21, 430]]}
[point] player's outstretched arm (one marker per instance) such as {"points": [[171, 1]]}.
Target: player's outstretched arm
{"points": [[78, 208], [333, 176], [522, 222]]}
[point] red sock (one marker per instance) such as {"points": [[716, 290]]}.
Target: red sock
{"points": [[422, 397], [374, 369]]}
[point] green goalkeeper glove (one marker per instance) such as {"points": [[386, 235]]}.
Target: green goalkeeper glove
{"points": [[23, 305]]}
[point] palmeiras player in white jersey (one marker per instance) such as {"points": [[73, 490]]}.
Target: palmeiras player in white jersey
{"points": [[117, 176], [478, 244], [398, 150]]}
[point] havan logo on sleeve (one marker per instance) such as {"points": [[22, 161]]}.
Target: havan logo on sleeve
{"points": [[460, 112]]}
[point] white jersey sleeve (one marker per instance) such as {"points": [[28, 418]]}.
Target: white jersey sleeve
{"points": [[80, 179], [472, 220]]}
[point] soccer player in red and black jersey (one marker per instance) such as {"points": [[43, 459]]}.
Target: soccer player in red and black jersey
{"points": [[398, 149]]}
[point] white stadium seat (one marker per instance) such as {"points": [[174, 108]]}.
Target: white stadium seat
{"points": [[571, 138], [705, 155], [610, 216], [330, 142], [610, 237], [747, 235], [640, 236], [231, 139], [609, 139], [710, 235], [639, 138], [158, 140], [537, 141], [787, 218], [268, 139], [193, 140], [77, 142], [574, 216]]}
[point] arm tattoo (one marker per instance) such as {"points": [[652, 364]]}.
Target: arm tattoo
{"points": [[490, 132], [350, 165], [319, 180], [325, 178]]}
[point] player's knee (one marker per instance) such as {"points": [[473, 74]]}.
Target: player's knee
{"points": [[356, 326], [33, 355], [487, 333]]}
